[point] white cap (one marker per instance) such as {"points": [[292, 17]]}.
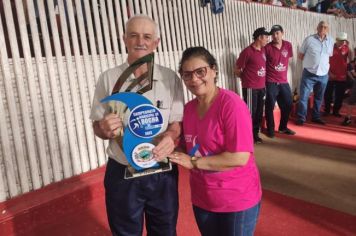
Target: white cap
{"points": [[341, 36]]}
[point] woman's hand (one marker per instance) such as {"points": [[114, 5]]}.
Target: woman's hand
{"points": [[181, 159]]}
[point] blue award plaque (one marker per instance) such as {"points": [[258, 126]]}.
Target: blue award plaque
{"points": [[144, 123]]}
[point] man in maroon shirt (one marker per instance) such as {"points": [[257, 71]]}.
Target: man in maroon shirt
{"points": [[278, 53], [251, 68], [337, 75]]}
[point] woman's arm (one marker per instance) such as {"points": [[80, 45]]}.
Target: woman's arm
{"points": [[220, 162]]}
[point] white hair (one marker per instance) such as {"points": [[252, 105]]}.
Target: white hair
{"points": [[321, 23], [144, 17]]}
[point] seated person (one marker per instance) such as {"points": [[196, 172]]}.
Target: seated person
{"points": [[324, 6], [337, 8], [351, 100], [350, 7], [272, 2], [351, 76], [289, 3], [302, 5]]}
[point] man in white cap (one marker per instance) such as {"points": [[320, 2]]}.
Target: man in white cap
{"points": [[337, 75]]}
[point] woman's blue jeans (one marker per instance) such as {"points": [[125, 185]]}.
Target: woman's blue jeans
{"points": [[242, 223]]}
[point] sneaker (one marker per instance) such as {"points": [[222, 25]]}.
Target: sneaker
{"points": [[318, 121], [286, 131], [257, 140], [299, 122], [346, 122]]}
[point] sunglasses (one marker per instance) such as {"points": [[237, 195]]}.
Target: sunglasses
{"points": [[199, 73]]}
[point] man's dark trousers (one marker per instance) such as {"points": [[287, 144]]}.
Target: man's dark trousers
{"points": [[282, 94], [127, 199]]}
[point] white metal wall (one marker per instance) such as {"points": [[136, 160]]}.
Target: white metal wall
{"points": [[46, 134]]}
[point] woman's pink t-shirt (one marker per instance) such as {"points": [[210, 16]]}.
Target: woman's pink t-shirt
{"points": [[226, 127]]}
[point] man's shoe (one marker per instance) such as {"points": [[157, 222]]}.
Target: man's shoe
{"points": [[257, 140], [299, 122], [318, 121], [337, 114], [286, 131], [346, 122], [270, 134]]}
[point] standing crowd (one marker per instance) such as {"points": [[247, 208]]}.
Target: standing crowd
{"points": [[212, 135]]}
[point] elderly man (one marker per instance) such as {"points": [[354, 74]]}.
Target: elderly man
{"points": [[278, 53], [314, 52], [154, 197], [251, 68]]}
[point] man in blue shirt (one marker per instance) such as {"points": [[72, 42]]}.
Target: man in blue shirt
{"points": [[314, 52]]}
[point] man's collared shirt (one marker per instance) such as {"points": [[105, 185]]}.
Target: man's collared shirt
{"points": [[317, 53]]}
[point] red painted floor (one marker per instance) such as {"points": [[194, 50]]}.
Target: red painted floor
{"points": [[76, 206], [331, 134], [280, 215]]}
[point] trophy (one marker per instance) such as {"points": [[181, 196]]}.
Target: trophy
{"points": [[144, 123]]}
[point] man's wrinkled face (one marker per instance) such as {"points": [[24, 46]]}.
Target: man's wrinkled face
{"points": [[140, 38], [323, 29]]}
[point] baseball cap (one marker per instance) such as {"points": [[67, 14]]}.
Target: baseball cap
{"points": [[260, 31], [276, 28]]}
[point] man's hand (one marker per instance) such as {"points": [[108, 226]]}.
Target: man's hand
{"points": [[237, 71], [109, 127], [331, 75], [301, 56]]}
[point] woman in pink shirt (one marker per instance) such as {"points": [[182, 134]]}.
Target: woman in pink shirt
{"points": [[224, 179]]}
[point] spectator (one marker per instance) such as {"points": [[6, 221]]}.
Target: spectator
{"points": [[351, 75], [337, 8], [314, 52], [302, 5], [351, 100], [350, 7], [251, 68], [154, 197], [224, 179], [320, 6], [289, 3], [278, 53], [337, 75], [273, 2]]}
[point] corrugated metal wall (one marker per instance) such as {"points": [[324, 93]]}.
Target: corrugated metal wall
{"points": [[52, 52]]}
